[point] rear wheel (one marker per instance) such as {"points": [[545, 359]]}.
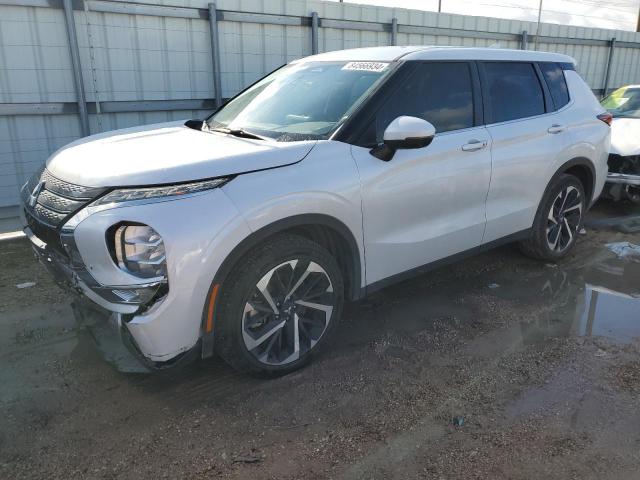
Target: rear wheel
{"points": [[278, 306], [558, 220]]}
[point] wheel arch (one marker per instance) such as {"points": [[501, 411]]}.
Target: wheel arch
{"points": [[583, 169], [323, 229]]}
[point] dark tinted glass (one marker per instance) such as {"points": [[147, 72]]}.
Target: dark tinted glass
{"points": [[514, 91], [556, 82], [440, 93]]}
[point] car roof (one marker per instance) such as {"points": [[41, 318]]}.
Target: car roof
{"points": [[420, 52]]}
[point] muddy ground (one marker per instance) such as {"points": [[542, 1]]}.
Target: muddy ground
{"points": [[497, 367]]}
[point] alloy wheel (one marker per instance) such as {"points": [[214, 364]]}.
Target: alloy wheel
{"points": [[287, 312], [564, 219]]}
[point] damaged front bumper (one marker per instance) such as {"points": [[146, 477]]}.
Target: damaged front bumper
{"points": [[103, 313], [110, 336], [70, 273], [105, 325], [115, 342]]}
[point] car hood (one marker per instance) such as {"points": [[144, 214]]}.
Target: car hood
{"points": [[625, 136], [167, 153]]}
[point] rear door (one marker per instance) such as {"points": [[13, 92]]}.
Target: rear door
{"points": [[427, 203], [528, 134]]}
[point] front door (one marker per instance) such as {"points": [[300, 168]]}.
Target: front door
{"points": [[429, 203]]}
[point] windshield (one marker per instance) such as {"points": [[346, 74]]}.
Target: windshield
{"points": [[301, 101], [624, 102]]}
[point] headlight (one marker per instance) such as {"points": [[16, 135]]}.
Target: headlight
{"points": [[143, 195], [147, 193], [139, 250]]}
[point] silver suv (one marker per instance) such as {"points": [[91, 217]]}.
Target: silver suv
{"points": [[330, 178]]}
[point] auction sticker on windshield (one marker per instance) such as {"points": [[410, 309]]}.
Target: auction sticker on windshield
{"points": [[366, 66]]}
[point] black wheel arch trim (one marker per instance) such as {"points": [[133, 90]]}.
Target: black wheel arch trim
{"points": [[259, 236], [579, 162]]}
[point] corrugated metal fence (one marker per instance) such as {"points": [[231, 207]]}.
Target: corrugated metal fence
{"points": [[73, 67]]}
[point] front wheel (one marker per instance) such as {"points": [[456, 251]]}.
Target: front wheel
{"points": [[278, 306], [558, 220]]}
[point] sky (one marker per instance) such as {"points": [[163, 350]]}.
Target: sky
{"points": [[613, 14]]}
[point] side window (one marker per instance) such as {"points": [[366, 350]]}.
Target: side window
{"points": [[441, 93], [514, 90], [554, 76]]}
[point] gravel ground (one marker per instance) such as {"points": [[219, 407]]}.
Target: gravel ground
{"points": [[497, 367]]}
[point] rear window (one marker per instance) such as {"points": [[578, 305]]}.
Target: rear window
{"points": [[514, 91], [554, 76]]}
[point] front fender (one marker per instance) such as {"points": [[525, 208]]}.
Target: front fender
{"points": [[325, 184]]}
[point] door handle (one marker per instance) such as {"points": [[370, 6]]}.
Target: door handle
{"points": [[474, 145], [555, 128]]}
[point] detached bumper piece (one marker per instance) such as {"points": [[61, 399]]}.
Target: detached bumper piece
{"points": [[116, 344], [110, 337]]}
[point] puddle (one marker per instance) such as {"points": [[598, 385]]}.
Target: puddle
{"points": [[610, 314], [601, 298]]}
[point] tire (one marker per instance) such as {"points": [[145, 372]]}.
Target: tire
{"points": [[278, 306], [554, 232]]}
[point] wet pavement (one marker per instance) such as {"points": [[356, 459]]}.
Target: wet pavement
{"points": [[496, 367]]}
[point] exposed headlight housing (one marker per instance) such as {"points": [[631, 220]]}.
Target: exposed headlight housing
{"points": [[151, 193], [139, 250]]}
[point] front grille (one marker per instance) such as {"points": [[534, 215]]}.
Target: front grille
{"points": [[47, 216], [56, 201], [68, 190]]}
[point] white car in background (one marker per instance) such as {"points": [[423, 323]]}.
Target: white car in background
{"points": [[330, 178], [623, 181]]}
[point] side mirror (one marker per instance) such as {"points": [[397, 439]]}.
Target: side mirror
{"points": [[404, 133]]}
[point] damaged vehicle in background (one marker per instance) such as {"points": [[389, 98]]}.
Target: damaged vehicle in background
{"points": [[330, 178], [623, 181]]}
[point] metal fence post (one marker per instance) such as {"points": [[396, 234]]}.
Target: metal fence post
{"points": [[607, 72], [215, 53], [74, 51], [394, 31], [524, 42], [314, 33]]}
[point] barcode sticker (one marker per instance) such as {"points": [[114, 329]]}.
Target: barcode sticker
{"points": [[366, 66]]}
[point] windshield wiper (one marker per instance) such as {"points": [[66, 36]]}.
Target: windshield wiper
{"points": [[236, 132]]}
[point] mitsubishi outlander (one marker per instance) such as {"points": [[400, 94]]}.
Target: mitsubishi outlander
{"points": [[243, 233]]}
